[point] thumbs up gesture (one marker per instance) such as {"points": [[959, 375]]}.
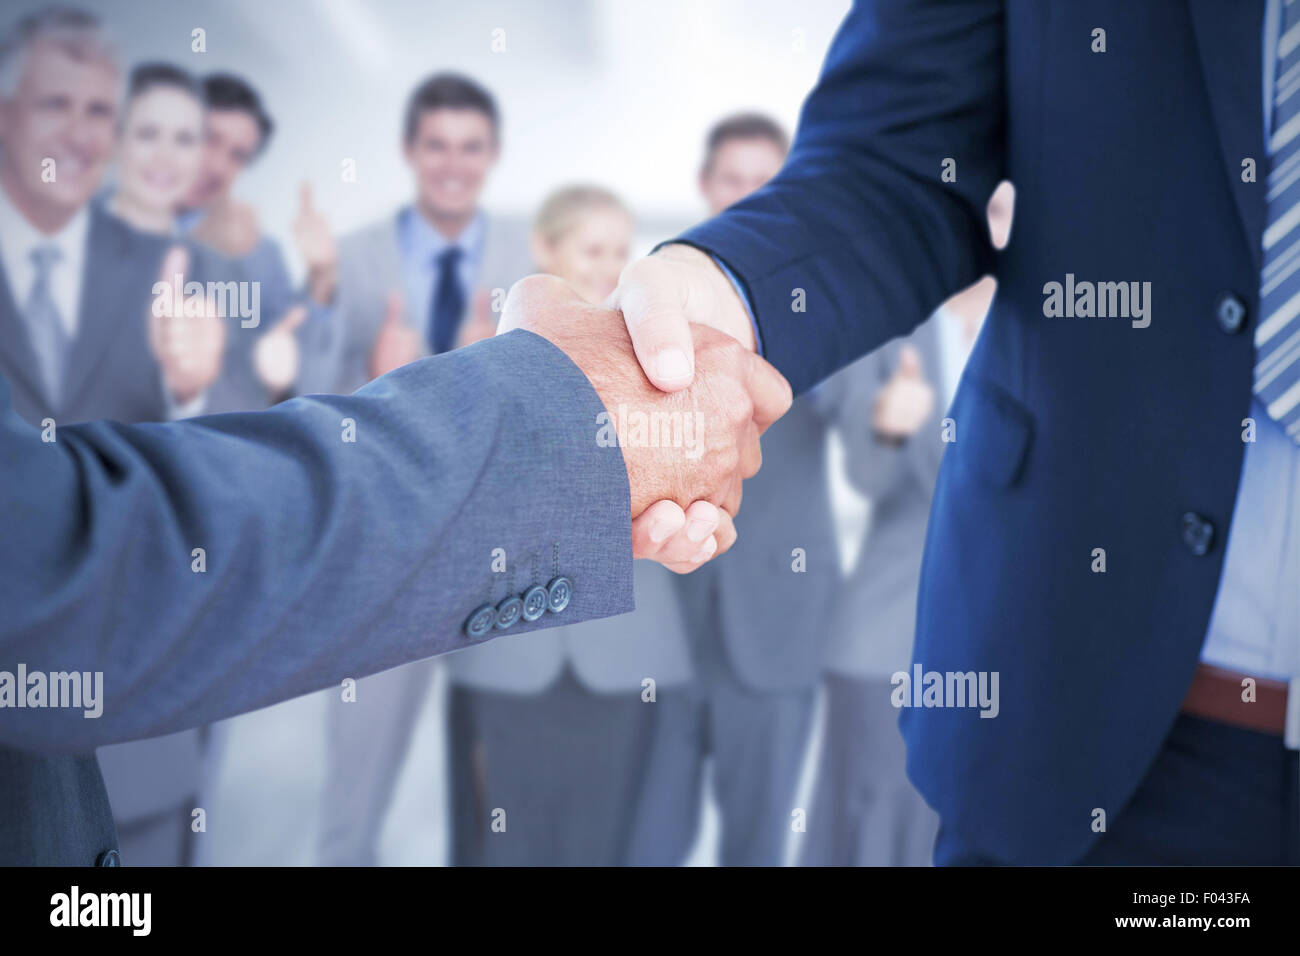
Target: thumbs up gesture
{"points": [[187, 346], [481, 323], [905, 402], [276, 355], [316, 245], [396, 344]]}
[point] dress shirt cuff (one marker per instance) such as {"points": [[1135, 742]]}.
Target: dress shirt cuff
{"points": [[744, 299], [735, 284]]}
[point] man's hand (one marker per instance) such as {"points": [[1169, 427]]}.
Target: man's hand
{"points": [[276, 356], [682, 498], [661, 295], [904, 402], [317, 247], [188, 347], [397, 343]]}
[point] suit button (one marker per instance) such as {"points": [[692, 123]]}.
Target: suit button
{"points": [[1198, 533], [508, 612], [109, 858], [481, 621], [1231, 313], [558, 593], [535, 602]]}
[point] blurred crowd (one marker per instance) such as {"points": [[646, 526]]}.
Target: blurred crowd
{"points": [[581, 745]]}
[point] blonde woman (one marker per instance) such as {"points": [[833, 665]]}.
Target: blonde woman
{"points": [[549, 732]]}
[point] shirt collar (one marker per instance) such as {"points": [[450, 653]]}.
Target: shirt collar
{"points": [[423, 244], [22, 237]]}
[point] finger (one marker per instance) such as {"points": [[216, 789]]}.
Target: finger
{"points": [[701, 521], [751, 452], [534, 296], [726, 533], [305, 198], [652, 528], [393, 309], [697, 557], [175, 263], [909, 362], [653, 301], [680, 552], [769, 391]]}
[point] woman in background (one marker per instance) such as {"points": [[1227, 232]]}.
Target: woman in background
{"points": [[549, 731], [153, 784], [160, 147]]}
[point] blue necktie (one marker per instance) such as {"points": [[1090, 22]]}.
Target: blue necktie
{"points": [[448, 305], [45, 327], [1277, 337]]}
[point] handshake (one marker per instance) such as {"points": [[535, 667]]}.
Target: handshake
{"points": [[684, 392]]}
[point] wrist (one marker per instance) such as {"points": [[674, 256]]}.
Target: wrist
{"points": [[712, 297]]}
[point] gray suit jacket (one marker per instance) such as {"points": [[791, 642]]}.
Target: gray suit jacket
{"points": [[875, 611], [337, 341], [326, 558], [608, 656], [113, 375], [772, 618]]}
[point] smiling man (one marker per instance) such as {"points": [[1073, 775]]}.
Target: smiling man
{"points": [[394, 291], [405, 286]]}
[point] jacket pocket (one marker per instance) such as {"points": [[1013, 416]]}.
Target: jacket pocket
{"points": [[992, 430]]}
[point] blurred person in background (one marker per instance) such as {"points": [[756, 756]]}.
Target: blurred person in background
{"points": [[757, 615], [553, 730], [889, 409], [78, 338], [262, 362], [153, 784], [415, 283]]}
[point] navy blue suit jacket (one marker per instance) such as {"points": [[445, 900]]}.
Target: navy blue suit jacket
{"points": [[1072, 433]]}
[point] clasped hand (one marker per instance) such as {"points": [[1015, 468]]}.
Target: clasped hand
{"points": [[698, 442]]}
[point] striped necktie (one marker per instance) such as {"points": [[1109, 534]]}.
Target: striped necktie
{"points": [[1277, 337]]}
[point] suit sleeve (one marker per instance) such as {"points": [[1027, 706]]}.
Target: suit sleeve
{"points": [[340, 536], [860, 218]]}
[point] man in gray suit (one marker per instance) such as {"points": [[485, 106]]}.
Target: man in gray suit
{"points": [[417, 283], [75, 329], [757, 616], [889, 409]]}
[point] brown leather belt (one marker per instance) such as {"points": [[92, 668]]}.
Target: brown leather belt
{"points": [[1216, 694]]}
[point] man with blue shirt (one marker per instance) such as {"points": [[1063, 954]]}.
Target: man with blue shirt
{"points": [[1116, 527], [404, 287], [418, 282]]}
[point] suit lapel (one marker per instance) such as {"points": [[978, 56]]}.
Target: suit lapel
{"points": [[107, 293], [1229, 40]]}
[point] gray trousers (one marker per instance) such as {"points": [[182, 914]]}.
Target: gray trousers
{"points": [[865, 812], [367, 740], [756, 740], [547, 779]]}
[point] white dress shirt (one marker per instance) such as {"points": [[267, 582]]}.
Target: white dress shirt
{"points": [[18, 239]]}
